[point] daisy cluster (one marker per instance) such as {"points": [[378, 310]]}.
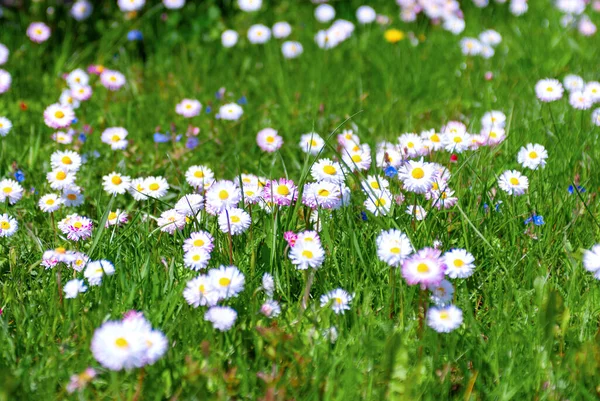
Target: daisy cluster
{"points": [[582, 95], [574, 16], [482, 46]]}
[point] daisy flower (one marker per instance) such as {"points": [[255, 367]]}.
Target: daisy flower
{"points": [[115, 183], [81, 93], [38, 32], [416, 211], [470, 46], [228, 281], [115, 346], [574, 83], [281, 192], [190, 205], [94, 271], [459, 263], [4, 52], [5, 81], [442, 293], [268, 140], [339, 299], [170, 221], [116, 218], [513, 182], [359, 159], [230, 111], [270, 309], [324, 13], [115, 137], [62, 137], [196, 259], [307, 255], [73, 288], [155, 187], [223, 195], [80, 259], [379, 202], [77, 77], [548, 90], [200, 292], [327, 170], [456, 140], [199, 176], [174, 4], [580, 100], [234, 220], [454, 25], [490, 37], [493, 136], [441, 199], [411, 144], [229, 38], [50, 203], [393, 247], [66, 160], [308, 236], [592, 90], [67, 100], [249, 5], [137, 189], [591, 260], [259, 34], [76, 227], [222, 317], [532, 156], [60, 179], [444, 319], [81, 10], [112, 80], [268, 284], [8, 225], [291, 49], [201, 240], [596, 117], [365, 14], [374, 183], [5, 126], [417, 176], [188, 108], [311, 143], [493, 118], [432, 140], [322, 194], [58, 116], [424, 267], [281, 30], [72, 197], [10, 190]]}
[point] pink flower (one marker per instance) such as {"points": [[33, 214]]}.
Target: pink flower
{"points": [[425, 268], [268, 140], [281, 192], [291, 238]]}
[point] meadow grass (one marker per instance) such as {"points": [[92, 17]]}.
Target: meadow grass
{"points": [[531, 311]]}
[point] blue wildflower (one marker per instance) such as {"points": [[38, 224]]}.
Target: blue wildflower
{"points": [[134, 35], [19, 176], [497, 206], [536, 219], [391, 171], [82, 137], [192, 142], [363, 216], [161, 138], [208, 109], [178, 138], [580, 189], [242, 101]]}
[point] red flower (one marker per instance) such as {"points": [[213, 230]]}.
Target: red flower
{"points": [[23, 106], [454, 158]]}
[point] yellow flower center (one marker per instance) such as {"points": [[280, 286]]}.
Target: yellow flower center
{"points": [[71, 197], [307, 254], [323, 192], [77, 224], [313, 143], [457, 139], [514, 181], [270, 139], [66, 160], [5, 225], [153, 187], [235, 219], [59, 114], [283, 190], [196, 258], [116, 180], [121, 342], [7, 190], [422, 268], [338, 300], [60, 249], [198, 174], [458, 263], [223, 194], [329, 170], [395, 250], [116, 138], [50, 202], [112, 216], [374, 185], [356, 158], [533, 155], [410, 145], [61, 175], [435, 138], [224, 281], [549, 89], [417, 173], [444, 315], [202, 289], [380, 202]]}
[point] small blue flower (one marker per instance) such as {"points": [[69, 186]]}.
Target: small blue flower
{"points": [[528, 220], [497, 206], [220, 93], [19, 176], [486, 207], [391, 171], [242, 101], [161, 138], [208, 109], [74, 121], [580, 189], [363, 216], [192, 142], [134, 35], [178, 138], [82, 137], [538, 220]]}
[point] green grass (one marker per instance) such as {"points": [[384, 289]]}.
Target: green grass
{"points": [[530, 310]]}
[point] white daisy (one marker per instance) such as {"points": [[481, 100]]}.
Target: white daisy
{"points": [[116, 183], [339, 299], [459, 263], [444, 319], [513, 182], [234, 220], [393, 247], [532, 156]]}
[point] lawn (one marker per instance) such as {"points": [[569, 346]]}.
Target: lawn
{"points": [[523, 321]]}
